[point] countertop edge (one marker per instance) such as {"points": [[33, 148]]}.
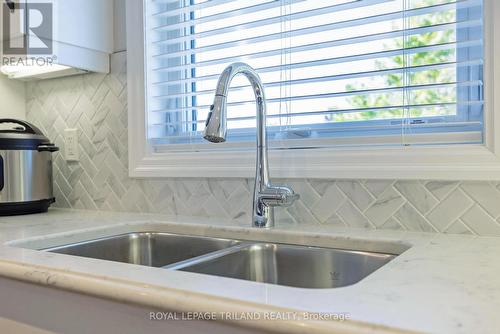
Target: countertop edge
{"points": [[169, 299]]}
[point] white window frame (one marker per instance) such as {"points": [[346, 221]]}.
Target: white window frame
{"points": [[439, 162]]}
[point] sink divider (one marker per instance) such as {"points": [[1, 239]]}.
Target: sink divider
{"points": [[207, 257]]}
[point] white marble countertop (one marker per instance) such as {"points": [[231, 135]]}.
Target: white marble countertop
{"points": [[441, 284]]}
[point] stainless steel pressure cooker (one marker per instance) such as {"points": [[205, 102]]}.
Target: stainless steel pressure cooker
{"points": [[25, 168]]}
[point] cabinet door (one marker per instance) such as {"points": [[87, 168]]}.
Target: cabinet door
{"points": [[84, 23]]}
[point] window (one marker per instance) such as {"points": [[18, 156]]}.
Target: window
{"points": [[355, 88], [349, 71]]}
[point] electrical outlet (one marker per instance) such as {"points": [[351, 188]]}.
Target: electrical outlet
{"points": [[71, 144]]}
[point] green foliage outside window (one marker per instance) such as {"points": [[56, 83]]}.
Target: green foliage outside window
{"points": [[413, 77]]}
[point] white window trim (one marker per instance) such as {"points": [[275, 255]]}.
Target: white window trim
{"points": [[454, 162]]}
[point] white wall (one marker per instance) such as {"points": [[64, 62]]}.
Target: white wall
{"points": [[12, 98]]}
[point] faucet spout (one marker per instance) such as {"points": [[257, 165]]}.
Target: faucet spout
{"points": [[266, 195]]}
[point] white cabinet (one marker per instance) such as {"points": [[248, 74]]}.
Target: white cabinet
{"points": [[60, 37]]}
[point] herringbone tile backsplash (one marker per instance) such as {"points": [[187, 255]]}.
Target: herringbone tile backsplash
{"points": [[97, 105]]}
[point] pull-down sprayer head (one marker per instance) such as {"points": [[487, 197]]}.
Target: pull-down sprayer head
{"points": [[216, 125]]}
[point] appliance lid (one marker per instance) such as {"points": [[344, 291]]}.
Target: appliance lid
{"points": [[20, 135]]}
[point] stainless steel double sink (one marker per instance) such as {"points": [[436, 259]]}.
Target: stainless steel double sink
{"points": [[274, 263]]}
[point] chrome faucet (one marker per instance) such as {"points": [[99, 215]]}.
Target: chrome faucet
{"points": [[265, 195]]}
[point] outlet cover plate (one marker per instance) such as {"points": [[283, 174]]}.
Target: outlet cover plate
{"points": [[71, 145]]}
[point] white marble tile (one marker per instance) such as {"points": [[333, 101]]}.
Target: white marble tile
{"points": [[282, 216], [413, 220], [384, 207], [480, 222], [417, 195], [485, 194], [239, 202], [335, 220], [320, 186], [393, 224], [441, 189], [352, 216], [356, 193], [83, 107], [61, 200], [213, 208], [449, 210], [458, 227], [302, 214], [61, 181], [328, 204], [308, 195], [377, 187]]}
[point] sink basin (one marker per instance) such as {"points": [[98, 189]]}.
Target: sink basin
{"points": [[148, 249], [282, 264], [297, 266]]}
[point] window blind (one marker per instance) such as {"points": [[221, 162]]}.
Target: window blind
{"points": [[336, 72]]}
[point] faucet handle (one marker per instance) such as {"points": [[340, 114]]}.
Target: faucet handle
{"points": [[289, 199], [288, 195], [281, 195]]}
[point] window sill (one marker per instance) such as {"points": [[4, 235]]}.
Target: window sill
{"points": [[471, 162]]}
